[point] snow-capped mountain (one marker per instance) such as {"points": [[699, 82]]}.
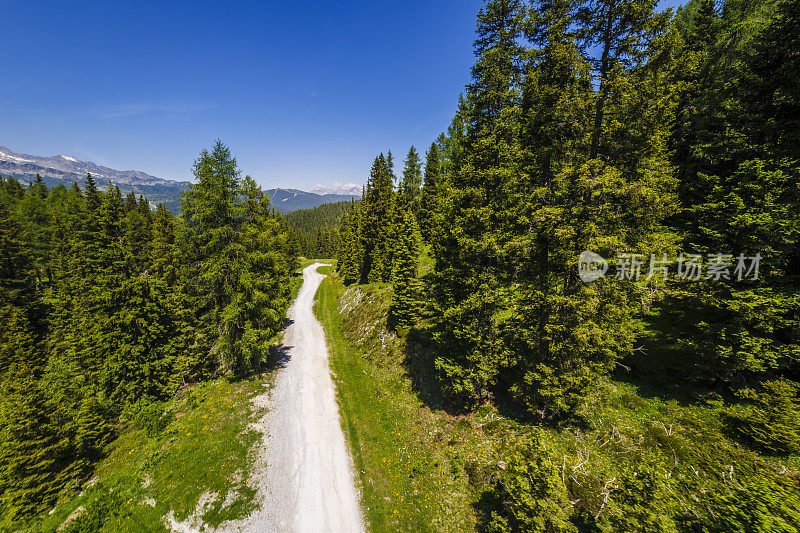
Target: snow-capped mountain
{"points": [[346, 189], [67, 168]]}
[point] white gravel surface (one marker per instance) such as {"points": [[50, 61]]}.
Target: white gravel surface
{"points": [[304, 472]]}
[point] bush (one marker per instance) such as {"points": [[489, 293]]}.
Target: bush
{"points": [[641, 500], [758, 505], [529, 494], [152, 418], [774, 424]]}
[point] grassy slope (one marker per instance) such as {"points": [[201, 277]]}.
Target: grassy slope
{"points": [[424, 470], [409, 459], [206, 448]]}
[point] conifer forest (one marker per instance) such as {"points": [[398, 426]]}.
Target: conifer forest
{"points": [[576, 310]]}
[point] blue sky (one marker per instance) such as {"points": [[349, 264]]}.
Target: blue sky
{"points": [[304, 91]]}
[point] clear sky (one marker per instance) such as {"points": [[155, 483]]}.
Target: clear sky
{"points": [[303, 91]]}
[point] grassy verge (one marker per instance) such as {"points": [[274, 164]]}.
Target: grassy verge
{"points": [[200, 451], [410, 460]]}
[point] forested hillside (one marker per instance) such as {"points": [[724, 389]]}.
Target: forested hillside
{"points": [[666, 145], [109, 308], [316, 230]]}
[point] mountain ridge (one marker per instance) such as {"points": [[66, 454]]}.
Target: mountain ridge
{"points": [[66, 169], [288, 200]]}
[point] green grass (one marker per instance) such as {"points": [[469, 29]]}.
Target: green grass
{"points": [[206, 449], [408, 458]]}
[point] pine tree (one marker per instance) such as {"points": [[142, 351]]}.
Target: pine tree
{"points": [[92, 194], [111, 236], [405, 308], [29, 445], [17, 345], [162, 245], [564, 334], [738, 194], [350, 255], [471, 270], [376, 207], [137, 242], [130, 202], [621, 32], [143, 207], [390, 166], [241, 251], [213, 217], [429, 197], [412, 179], [13, 188], [38, 187], [35, 217], [140, 339], [263, 274], [15, 264]]}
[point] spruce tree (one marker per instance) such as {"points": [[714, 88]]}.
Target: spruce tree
{"points": [[130, 202], [29, 445], [350, 253], [16, 268], [17, 344], [35, 218], [374, 232], [739, 196], [471, 270], [429, 196], [213, 217], [92, 194], [404, 312], [620, 32], [162, 245], [412, 179]]}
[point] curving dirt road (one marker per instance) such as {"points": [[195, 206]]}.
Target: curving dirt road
{"points": [[304, 472]]}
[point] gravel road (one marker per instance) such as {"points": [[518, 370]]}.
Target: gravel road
{"points": [[304, 471]]}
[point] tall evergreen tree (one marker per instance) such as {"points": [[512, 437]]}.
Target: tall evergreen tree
{"points": [[405, 308], [412, 179], [376, 207], [130, 202], [471, 270], [429, 196], [15, 263], [92, 194], [29, 445], [162, 247], [351, 253]]}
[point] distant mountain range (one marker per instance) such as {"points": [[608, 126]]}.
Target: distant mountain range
{"points": [[65, 169], [288, 200]]}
